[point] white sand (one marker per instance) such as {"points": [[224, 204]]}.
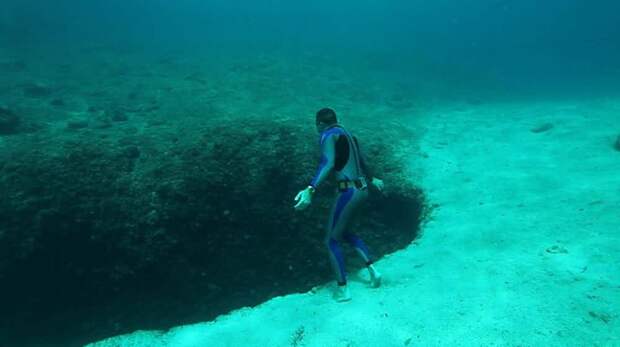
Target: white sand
{"points": [[481, 274]]}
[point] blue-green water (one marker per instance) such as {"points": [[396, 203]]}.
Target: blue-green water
{"points": [[141, 142], [513, 46]]}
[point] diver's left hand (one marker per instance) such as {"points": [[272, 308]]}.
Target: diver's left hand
{"points": [[304, 198]]}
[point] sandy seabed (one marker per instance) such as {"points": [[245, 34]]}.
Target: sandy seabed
{"points": [[522, 248]]}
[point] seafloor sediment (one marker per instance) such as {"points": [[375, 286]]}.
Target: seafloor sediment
{"points": [[522, 248]]}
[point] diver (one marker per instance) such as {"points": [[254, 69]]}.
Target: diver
{"points": [[341, 154]]}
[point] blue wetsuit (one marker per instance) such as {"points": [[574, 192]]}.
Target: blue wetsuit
{"points": [[341, 154]]}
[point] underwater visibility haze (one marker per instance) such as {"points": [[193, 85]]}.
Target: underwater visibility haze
{"points": [[152, 154]]}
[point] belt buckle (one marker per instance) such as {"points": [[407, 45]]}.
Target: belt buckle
{"points": [[360, 183]]}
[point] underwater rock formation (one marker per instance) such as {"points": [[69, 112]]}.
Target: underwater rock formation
{"points": [[9, 121], [617, 143], [104, 235]]}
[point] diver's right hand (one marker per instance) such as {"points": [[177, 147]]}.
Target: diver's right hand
{"points": [[304, 198]]}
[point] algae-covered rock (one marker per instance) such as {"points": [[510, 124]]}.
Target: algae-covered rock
{"points": [[180, 224]]}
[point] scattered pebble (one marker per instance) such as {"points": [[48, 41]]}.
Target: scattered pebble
{"points": [[542, 128], [604, 317], [555, 249]]}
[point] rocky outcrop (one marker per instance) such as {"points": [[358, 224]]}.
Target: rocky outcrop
{"points": [[102, 235]]}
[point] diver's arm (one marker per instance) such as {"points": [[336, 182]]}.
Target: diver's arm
{"points": [[368, 172], [328, 159], [363, 163]]}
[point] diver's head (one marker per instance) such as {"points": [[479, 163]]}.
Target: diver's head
{"points": [[325, 118]]}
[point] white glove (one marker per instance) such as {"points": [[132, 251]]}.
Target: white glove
{"points": [[378, 183], [304, 198]]}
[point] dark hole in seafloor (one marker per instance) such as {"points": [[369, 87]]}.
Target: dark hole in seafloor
{"points": [[55, 298]]}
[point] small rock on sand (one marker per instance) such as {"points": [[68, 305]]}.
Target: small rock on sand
{"points": [[555, 249], [603, 317], [542, 128]]}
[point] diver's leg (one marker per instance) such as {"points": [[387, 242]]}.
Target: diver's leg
{"points": [[337, 260], [359, 246], [344, 209], [362, 250], [345, 202]]}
